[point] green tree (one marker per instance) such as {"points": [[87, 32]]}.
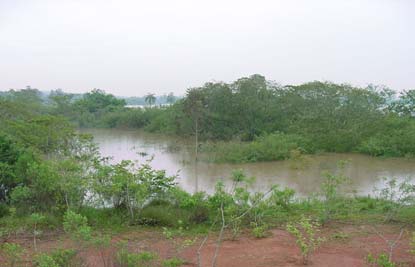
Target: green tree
{"points": [[150, 99]]}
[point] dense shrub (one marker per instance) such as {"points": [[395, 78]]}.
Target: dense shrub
{"points": [[397, 139], [276, 146]]}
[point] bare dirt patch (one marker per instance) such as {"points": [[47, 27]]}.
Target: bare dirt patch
{"points": [[345, 245]]}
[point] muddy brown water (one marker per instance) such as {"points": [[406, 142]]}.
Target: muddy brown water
{"points": [[176, 156]]}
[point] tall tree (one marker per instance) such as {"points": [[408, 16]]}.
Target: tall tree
{"points": [[150, 99]]}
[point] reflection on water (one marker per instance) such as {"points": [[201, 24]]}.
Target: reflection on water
{"points": [[176, 156]]}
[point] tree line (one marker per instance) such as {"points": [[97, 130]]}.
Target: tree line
{"points": [[310, 117]]}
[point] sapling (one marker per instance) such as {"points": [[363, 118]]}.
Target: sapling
{"points": [[397, 195], [77, 226], [36, 219], [329, 188], [305, 231]]}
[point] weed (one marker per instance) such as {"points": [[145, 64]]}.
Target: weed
{"points": [[381, 261], [173, 262], [305, 232]]}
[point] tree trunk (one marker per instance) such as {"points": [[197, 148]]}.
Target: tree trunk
{"points": [[196, 155]]}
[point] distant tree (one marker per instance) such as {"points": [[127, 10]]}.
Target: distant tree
{"points": [[29, 97], [171, 98], [61, 102], [405, 105], [150, 99], [97, 100]]}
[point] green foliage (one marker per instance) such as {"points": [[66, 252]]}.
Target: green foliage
{"points": [[381, 261], [44, 260], [397, 138], [77, 226], [128, 259], [281, 198], [323, 116], [58, 258], [126, 185], [36, 219], [396, 195], [305, 231], [329, 188], [164, 214], [65, 257], [276, 146], [173, 262], [93, 105], [259, 231], [12, 253]]}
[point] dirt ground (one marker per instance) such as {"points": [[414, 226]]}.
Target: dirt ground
{"points": [[345, 245]]}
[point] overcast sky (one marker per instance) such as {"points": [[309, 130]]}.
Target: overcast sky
{"points": [[132, 47]]}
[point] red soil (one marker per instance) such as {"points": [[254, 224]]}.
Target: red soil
{"points": [[349, 249]]}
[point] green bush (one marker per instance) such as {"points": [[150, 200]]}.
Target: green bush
{"points": [[396, 140], [77, 226], [260, 231], [163, 215], [65, 257], [276, 146]]}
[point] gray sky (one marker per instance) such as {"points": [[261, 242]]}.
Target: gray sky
{"points": [[131, 47]]}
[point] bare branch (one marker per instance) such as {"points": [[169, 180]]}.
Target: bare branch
{"points": [[391, 243], [219, 241]]}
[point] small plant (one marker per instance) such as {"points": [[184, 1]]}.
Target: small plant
{"points": [[179, 243], [305, 232], [259, 231], [329, 188], [236, 227], [128, 259], [339, 236], [77, 226], [397, 195], [36, 219], [168, 233], [381, 261], [45, 260], [66, 257], [173, 262], [12, 253]]}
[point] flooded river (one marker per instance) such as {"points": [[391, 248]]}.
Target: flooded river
{"points": [[177, 156]]}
